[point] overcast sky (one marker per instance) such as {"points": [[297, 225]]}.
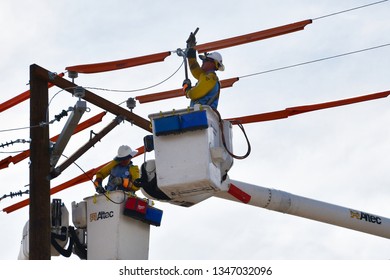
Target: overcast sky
{"points": [[340, 156]]}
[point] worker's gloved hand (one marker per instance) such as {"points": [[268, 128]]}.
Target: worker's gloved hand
{"points": [[186, 86], [100, 189], [98, 183], [117, 181], [191, 41], [187, 83], [191, 53]]}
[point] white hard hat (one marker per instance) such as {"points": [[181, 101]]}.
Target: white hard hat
{"points": [[216, 56], [125, 152]]}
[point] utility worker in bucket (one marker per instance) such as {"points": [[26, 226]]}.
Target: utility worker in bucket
{"points": [[121, 171], [206, 91]]}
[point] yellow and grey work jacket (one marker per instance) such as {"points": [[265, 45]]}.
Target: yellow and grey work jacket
{"points": [[206, 90], [115, 170]]}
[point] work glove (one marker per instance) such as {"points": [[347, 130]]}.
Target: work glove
{"points": [[97, 182], [186, 86], [191, 41], [98, 186], [191, 53], [100, 189]]}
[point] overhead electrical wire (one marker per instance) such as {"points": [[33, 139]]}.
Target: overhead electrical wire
{"points": [[330, 57], [18, 128], [79, 167], [314, 61], [141, 89], [13, 152], [348, 10]]}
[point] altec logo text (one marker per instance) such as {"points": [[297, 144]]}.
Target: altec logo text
{"points": [[101, 215], [365, 217]]}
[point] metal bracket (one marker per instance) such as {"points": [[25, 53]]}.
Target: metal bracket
{"points": [[51, 75], [67, 131]]}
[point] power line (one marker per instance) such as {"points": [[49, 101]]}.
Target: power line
{"points": [[19, 128], [57, 118], [141, 89], [12, 143], [14, 152], [313, 61], [348, 10]]}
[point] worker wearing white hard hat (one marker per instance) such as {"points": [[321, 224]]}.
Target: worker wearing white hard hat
{"points": [[124, 153], [206, 91], [214, 57], [121, 171]]}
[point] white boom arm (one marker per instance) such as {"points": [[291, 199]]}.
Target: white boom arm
{"points": [[285, 202]]}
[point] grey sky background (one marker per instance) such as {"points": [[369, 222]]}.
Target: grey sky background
{"points": [[338, 155]]}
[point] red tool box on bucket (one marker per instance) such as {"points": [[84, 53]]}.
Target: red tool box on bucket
{"points": [[140, 209]]}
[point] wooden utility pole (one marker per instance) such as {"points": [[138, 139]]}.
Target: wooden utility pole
{"points": [[39, 219]]}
